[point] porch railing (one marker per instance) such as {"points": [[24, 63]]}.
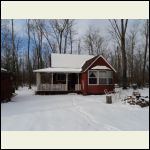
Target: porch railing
{"points": [[56, 87], [77, 87]]}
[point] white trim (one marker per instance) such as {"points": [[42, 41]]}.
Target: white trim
{"points": [[66, 81], [96, 60], [38, 79]]}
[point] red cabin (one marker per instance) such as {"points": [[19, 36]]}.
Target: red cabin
{"points": [[86, 74]]}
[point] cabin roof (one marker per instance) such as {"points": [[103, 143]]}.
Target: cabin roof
{"points": [[69, 60], [72, 63]]}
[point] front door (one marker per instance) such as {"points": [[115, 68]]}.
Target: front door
{"points": [[72, 80]]}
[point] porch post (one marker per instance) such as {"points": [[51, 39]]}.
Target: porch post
{"points": [[78, 82], [66, 81], [38, 80], [52, 81]]}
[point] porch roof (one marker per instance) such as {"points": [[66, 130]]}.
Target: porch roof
{"points": [[59, 70]]}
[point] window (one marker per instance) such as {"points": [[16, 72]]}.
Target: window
{"points": [[60, 77], [100, 77], [109, 74], [102, 74], [110, 81], [102, 80], [92, 77]]}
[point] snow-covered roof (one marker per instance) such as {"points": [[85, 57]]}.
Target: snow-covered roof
{"points": [[71, 63], [2, 69], [101, 67], [61, 70], [69, 60]]}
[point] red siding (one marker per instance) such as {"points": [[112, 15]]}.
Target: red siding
{"points": [[84, 83], [94, 89], [99, 89]]}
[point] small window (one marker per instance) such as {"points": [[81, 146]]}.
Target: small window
{"points": [[92, 77]]}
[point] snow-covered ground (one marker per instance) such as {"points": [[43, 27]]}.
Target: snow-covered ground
{"points": [[72, 112]]}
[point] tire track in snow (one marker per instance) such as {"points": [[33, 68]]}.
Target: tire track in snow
{"points": [[111, 128], [86, 115], [89, 118]]}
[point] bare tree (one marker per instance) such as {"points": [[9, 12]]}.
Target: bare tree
{"points": [[120, 32], [13, 46], [79, 46], [131, 45], [38, 40], [15, 68], [28, 60], [63, 33], [59, 27], [93, 41], [146, 37], [6, 45], [47, 33]]}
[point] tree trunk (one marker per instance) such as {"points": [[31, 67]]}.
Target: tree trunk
{"points": [[60, 43], [29, 69], [124, 59], [145, 52], [13, 54], [132, 49]]}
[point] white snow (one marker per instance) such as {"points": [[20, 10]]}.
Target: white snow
{"points": [[72, 112], [2, 69], [70, 63], [101, 67], [69, 60], [68, 70]]}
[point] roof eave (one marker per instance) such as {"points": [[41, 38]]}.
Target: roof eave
{"points": [[96, 60]]}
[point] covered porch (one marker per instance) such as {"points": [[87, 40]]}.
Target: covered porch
{"points": [[57, 82]]}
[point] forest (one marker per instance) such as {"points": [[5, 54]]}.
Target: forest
{"points": [[126, 47]]}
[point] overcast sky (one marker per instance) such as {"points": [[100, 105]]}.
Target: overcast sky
{"points": [[81, 25]]}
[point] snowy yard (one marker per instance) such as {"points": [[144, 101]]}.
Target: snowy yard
{"points": [[72, 112]]}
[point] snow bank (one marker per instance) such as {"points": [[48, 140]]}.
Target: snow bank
{"points": [[72, 112]]}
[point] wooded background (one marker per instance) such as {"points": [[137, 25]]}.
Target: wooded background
{"points": [[129, 53]]}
